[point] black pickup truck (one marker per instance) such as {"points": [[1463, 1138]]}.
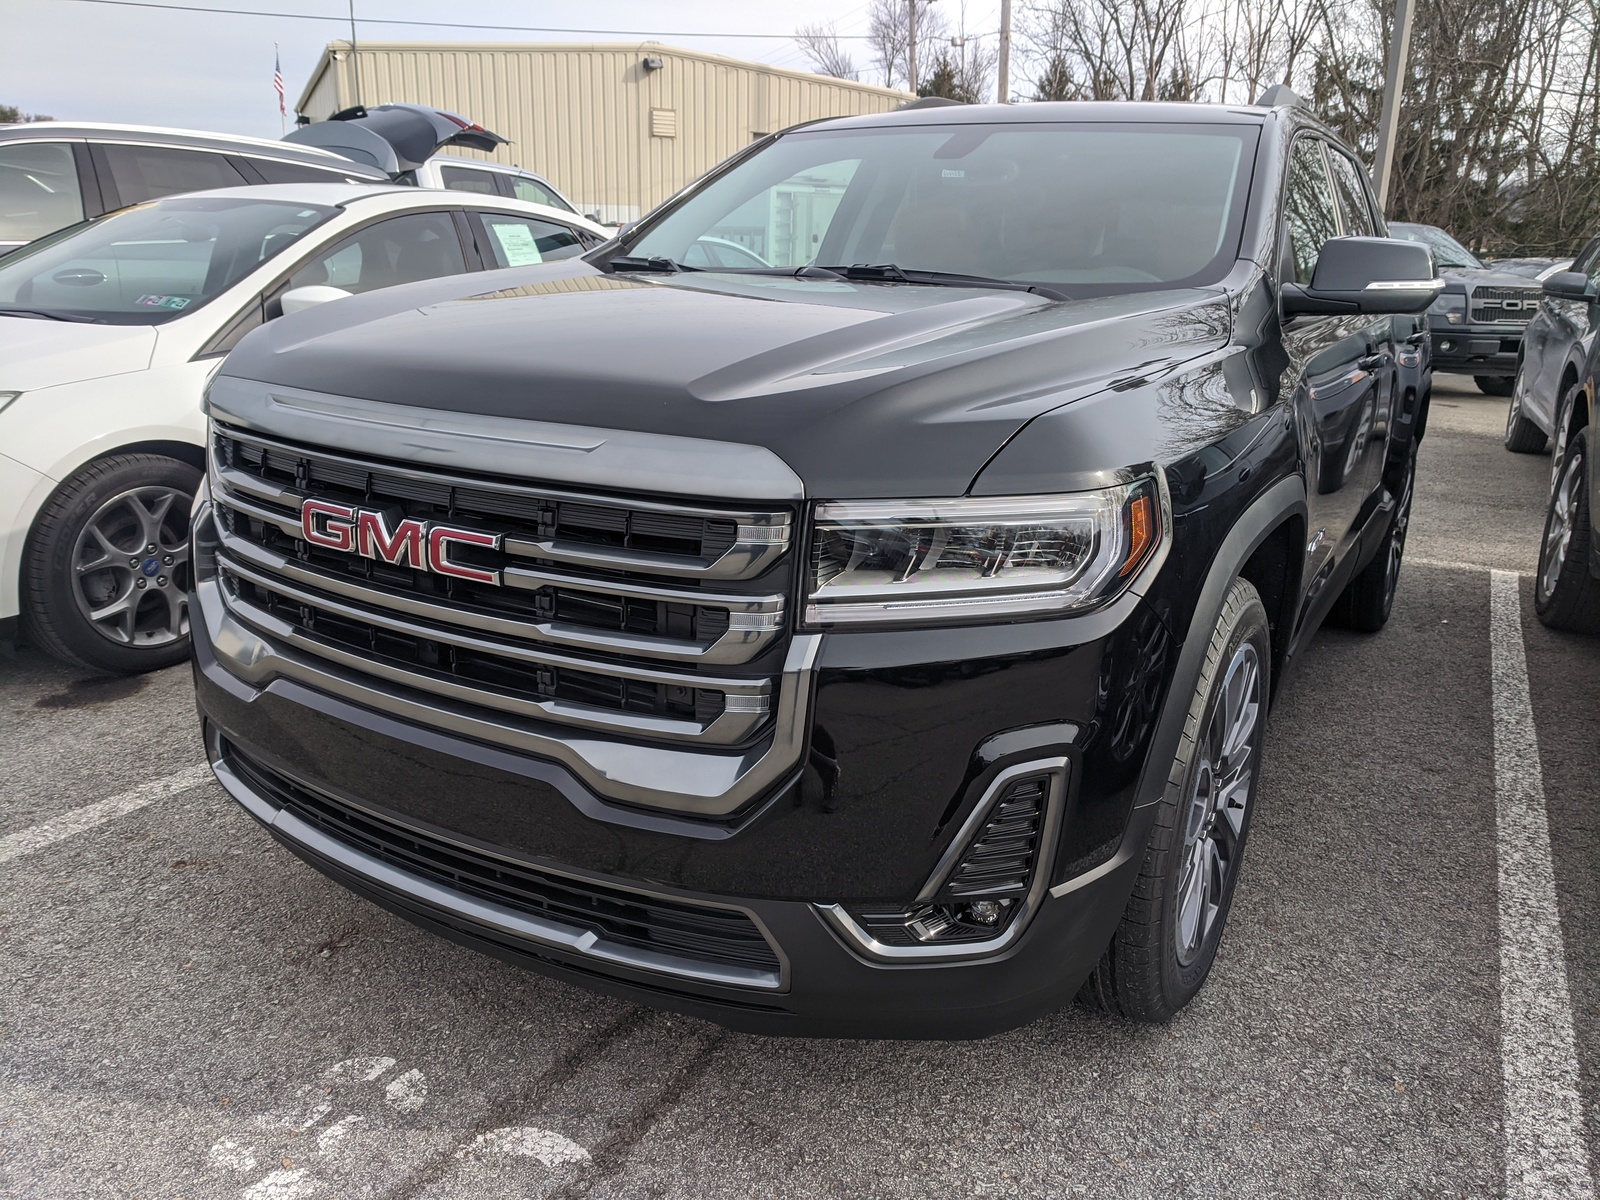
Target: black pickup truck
{"points": [[873, 642]]}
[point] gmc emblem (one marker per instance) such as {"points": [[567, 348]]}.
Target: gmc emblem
{"points": [[410, 542]]}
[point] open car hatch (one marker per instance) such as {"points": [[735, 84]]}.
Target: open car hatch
{"points": [[396, 138]]}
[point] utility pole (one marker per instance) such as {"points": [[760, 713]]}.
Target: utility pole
{"points": [[1004, 85], [355, 58], [1393, 84], [911, 46]]}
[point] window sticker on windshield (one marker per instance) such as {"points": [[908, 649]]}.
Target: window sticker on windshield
{"points": [[516, 242], [163, 301]]}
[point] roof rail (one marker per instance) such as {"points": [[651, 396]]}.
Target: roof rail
{"points": [[928, 102], [1281, 95]]}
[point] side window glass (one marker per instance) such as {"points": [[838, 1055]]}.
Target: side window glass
{"points": [[399, 250], [1588, 260], [1308, 207], [1352, 196], [148, 172], [38, 190], [531, 191], [466, 179], [522, 241], [275, 170]]}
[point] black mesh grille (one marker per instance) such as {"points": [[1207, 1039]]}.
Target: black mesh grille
{"points": [[723, 937], [1505, 305]]}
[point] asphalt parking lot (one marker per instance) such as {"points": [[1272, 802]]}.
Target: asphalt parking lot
{"points": [[188, 1011]]}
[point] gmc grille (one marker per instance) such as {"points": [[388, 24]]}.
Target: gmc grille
{"points": [[649, 620]]}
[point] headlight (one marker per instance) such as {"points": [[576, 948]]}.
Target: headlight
{"points": [[948, 560], [6, 398], [1452, 306]]}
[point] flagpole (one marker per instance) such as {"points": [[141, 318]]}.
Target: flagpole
{"points": [[283, 120]]}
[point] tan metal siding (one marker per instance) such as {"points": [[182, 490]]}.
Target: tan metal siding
{"points": [[580, 114]]}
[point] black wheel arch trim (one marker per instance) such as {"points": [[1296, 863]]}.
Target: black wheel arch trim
{"points": [[1283, 500]]}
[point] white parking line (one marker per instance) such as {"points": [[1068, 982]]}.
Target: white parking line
{"points": [[78, 820], [1447, 565], [1545, 1152]]}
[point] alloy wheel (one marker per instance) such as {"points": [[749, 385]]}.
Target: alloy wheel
{"points": [[1214, 828], [1558, 531], [130, 567]]}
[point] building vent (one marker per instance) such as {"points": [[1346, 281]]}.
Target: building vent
{"points": [[663, 122]]}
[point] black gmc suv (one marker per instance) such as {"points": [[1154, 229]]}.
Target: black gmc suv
{"points": [[875, 642]]}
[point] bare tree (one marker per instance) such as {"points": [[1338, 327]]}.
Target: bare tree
{"points": [[827, 55], [889, 34]]}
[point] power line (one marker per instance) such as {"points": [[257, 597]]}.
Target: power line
{"points": [[293, 16]]}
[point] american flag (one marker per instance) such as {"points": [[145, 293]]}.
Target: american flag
{"points": [[277, 80]]}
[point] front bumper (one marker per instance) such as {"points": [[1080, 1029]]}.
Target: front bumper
{"points": [[1469, 350], [906, 734], [19, 489]]}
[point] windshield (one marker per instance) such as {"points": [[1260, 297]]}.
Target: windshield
{"points": [[152, 263], [1447, 252], [1085, 209]]}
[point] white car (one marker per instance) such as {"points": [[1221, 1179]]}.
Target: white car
{"points": [[108, 335]]}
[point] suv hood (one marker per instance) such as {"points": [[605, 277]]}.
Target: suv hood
{"points": [[36, 353], [863, 389], [395, 138], [1464, 279]]}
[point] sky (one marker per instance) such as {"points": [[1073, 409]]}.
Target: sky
{"points": [[94, 61]]}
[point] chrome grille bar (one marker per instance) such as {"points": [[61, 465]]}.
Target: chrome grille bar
{"points": [[746, 702], [753, 621]]}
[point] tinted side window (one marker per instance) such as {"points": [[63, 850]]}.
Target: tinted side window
{"points": [[522, 241], [1588, 257], [1308, 207], [531, 191], [147, 172], [399, 250], [38, 190], [466, 179], [277, 171], [1352, 196]]}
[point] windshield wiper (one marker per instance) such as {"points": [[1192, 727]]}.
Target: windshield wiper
{"points": [[44, 314], [631, 262], [892, 273]]}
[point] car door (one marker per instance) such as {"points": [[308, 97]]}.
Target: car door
{"points": [[137, 172], [398, 249], [514, 240], [1551, 335], [41, 191], [1333, 376]]}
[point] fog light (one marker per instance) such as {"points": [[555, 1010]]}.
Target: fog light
{"points": [[986, 912], [1447, 344]]}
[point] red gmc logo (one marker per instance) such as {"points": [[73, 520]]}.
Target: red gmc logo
{"points": [[410, 542]]}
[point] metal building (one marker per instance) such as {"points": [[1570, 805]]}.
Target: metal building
{"points": [[619, 128]]}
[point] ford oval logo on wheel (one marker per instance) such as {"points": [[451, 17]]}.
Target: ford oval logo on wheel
{"points": [[402, 542]]}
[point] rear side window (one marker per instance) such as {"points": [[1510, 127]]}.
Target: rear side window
{"points": [[535, 193], [38, 190], [467, 179], [399, 250], [143, 173], [1308, 207], [277, 171], [1352, 196], [522, 241]]}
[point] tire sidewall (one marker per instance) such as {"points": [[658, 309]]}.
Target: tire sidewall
{"points": [[48, 563], [1577, 450], [1244, 622]]}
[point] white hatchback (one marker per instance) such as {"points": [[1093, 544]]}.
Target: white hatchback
{"points": [[108, 334]]}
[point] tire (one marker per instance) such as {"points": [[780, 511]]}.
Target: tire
{"points": [[1368, 599], [1493, 385], [1163, 949], [1522, 435], [105, 572], [1565, 594]]}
